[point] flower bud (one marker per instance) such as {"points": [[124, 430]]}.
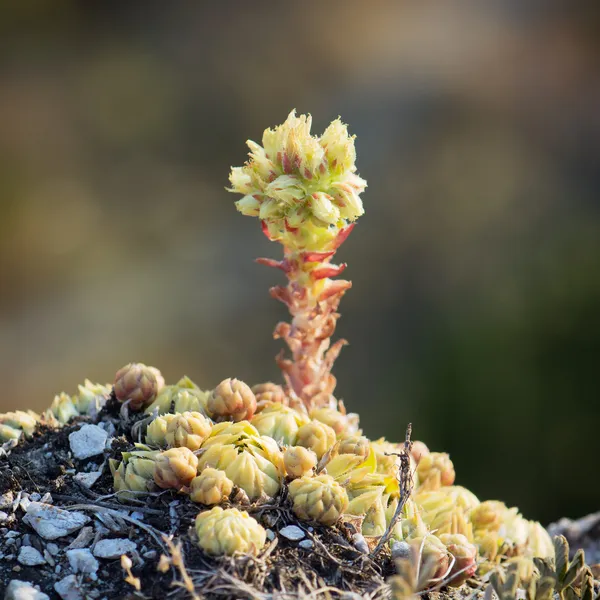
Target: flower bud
{"points": [[232, 400], [280, 422], [248, 206], [137, 384], [160, 380], [175, 468], [319, 499], [317, 436], [210, 487], [156, 434], [189, 429], [324, 209], [64, 408], [299, 461], [229, 532], [358, 445], [465, 557], [435, 470], [267, 394]]}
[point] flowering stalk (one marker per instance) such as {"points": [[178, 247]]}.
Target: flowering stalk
{"points": [[306, 193]]}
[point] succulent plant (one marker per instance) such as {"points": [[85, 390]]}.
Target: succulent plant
{"points": [[175, 468], [267, 394], [317, 436], [184, 396], [135, 473], [340, 422], [306, 193], [210, 487], [355, 444], [188, 429], [253, 462], [435, 470], [280, 422], [136, 384], [464, 554], [63, 408], [299, 461], [156, 433], [320, 499], [229, 531], [232, 400]]}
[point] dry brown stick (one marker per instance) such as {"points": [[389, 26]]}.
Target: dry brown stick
{"points": [[405, 484]]}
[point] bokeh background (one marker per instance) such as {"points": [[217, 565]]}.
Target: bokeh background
{"points": [[475, 312]]}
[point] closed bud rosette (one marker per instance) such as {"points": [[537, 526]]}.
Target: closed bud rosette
{"points": [[64, 408], [280, 422], [488, 515], [175, 468], [539, 542], [464, 554], [319, 499], [160, 380], [156, 434], [317, 436], [91, 397], [189, 429], [228, 532], [358, 445], [299, 461], [494, 517], [267, 394], [341, 423], [136, 383], [210, 487], [134, 474], [435, 470], [232, 400], [254, 463]]}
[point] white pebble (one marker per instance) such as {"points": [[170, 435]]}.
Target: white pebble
{"points": [[111, 549], [51, 522], [291, 532], [23, 590], [270, 535], [68, 588], [82, 561], [87, 479], [400, 549], [88, 441], [30, 557], [3, 516], [360, 543], [306, 544]]}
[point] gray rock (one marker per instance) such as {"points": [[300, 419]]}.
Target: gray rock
{"points": [[53, 548], [306, 544], [30, 557], [400, 550], [6, 501], [292, 532], [3, 516], [358, 539], [82, 561], [83, 540], [88, 441], [87, 479], [68, 588], [111, 549], [51, 522], [23, 590]]}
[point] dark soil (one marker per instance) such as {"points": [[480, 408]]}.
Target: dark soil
{"points": [[44, 464]]}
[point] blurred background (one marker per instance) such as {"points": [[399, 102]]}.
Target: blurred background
{"points": [[475, 307]]}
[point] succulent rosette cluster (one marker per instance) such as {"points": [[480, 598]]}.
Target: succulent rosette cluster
{"points": [[232, 448]]}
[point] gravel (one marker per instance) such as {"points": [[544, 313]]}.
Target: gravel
{"points": [[51, 523], [89, 440]]}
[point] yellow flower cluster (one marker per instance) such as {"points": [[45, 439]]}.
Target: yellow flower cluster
{"points": [[304, 188]]}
